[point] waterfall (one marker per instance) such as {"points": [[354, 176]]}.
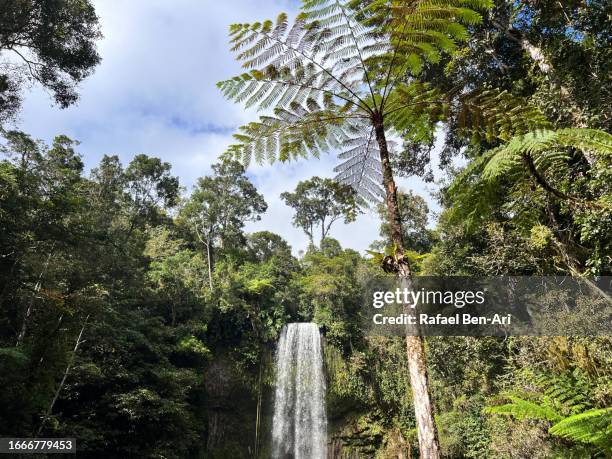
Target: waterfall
{"points": [[299, 429]]}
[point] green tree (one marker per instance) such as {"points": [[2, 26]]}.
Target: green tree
{"points": [[335, 82], [564, 49], [148, 187], [219, 207], [40, 205], [53, 43], [264, 245], [176, 273], [330, 292], [553, 55], [321, 202], [49, 289]]}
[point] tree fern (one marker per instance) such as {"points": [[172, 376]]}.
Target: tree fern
{"points": [[336, 71], [592, 426], [547, 149], [521, 409], [569, 391], [497, 115]]}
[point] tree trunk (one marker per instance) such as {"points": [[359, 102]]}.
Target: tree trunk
{"points": [[541, 181], [207, 241], [539, 57], [63, 381], [37, 287], [426, 427], [322, 232], [563, 242], [210, 267], [259, 400]]}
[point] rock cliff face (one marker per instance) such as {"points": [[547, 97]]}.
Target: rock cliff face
{"points": [[363, 438], [229, 411], [353, 431]]}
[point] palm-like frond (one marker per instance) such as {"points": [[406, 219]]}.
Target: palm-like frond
{"points": [[361, 167], [592, 427], [415, 106], [521, 409], [543, 156], [422, 30], [569, 390], [492, 114], [560, 395], [322, 53], [547, 149], [293, 133], [563, 393]]}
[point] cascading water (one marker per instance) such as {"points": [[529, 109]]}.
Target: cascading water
{"points": [[299, 429]]}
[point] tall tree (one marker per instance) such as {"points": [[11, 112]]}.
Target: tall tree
{"points": [[336, 82], [220, 205], [52, 43], [149, 186], [566, 45], [321, 202], [39, 200], [264, 245], [552, 54]]}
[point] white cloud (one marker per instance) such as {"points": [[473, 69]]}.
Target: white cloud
{"points": [[155, 93]]}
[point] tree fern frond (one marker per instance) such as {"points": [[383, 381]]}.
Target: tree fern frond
{"points": [[569, 390], [592, 427], [592, 140], [544, 147], [437, 23], [293, 133], [560, 394], [491, 114], [328, 32], [411, 105], [521, 409], [468, 188], [502, 162], [361, 167], [317, 74]]}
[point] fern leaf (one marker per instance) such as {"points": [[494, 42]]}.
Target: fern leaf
{"points": [[592, 427], [521, 409]]}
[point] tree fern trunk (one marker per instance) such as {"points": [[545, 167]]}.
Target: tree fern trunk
{"points": [[426, 427]]}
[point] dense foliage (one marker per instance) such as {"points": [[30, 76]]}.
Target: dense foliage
{"points": [[51, 43], [143, 322], [318, 203]]}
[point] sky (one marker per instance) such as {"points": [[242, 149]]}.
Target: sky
{"points": [[155, 93]]}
